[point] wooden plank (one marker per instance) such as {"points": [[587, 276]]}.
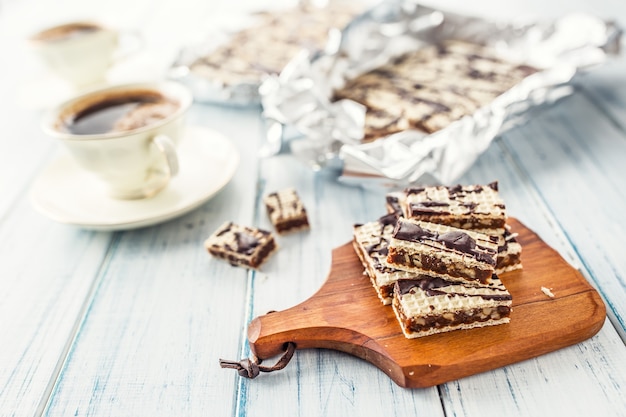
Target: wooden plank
{"points": [[572, 380], [588, 151], [319, 381], [165, 310], [605, 87], [534, 387], [581, 380], [24, 147], [155, 327], [524, 202], [334, 368], [345, 315], [48, 272]]}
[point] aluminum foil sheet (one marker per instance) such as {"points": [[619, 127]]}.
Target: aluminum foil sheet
{"points": [[329, 134]]}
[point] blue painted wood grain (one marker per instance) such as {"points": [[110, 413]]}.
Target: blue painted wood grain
{"points": [[134, 323]]}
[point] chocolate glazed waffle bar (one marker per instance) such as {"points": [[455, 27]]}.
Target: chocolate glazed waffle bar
{"points": [[465, 207], [439, 277], [424, 304], [429, 305], [371, 241], [430, 88], [267, 46], [447, 252], [473, 207]]}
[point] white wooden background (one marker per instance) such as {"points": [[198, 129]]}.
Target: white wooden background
{"points": [[133, 323]]}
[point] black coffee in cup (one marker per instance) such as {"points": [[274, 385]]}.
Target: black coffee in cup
{"points": [[136, 156], [118, 112]]}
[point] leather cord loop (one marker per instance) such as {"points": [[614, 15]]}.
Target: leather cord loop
{"points": [[251, 368]]}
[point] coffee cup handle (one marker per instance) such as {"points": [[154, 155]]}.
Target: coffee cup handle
{"points": [[168, 149], [134, 41]]}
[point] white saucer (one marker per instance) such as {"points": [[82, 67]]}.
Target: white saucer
{"points": [[65, 193]]}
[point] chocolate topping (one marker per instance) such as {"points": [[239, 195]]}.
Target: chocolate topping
{"points": [[414, 190], [431, 284], [455, 189], [433, 203], [424, 207], [458, 240], [385, 73], [424, 282], [388, 219], [381, 247], [225, 230], [394, 203], [465, 207], [470, 206], [246, 243], [455, 240], [411, 232]]}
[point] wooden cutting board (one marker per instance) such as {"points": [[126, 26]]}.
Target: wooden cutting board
{"points": [[345, 314]]}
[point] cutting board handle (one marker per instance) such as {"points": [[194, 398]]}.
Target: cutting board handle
{"points": [[319, 322], [346, 315]]}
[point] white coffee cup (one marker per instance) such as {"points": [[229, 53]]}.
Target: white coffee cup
{"points": [[82, 53], [135, 163]]}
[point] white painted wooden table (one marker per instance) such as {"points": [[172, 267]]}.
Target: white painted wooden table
{"points": [[132, 323]]}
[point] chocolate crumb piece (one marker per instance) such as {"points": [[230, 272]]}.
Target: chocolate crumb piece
{"points": [[243, 246], [286, 211]]}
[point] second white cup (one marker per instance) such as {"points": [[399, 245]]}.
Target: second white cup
{"points": [[82, 53]]}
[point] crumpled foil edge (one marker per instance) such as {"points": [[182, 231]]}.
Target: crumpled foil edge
{"points": [[330, 132]]}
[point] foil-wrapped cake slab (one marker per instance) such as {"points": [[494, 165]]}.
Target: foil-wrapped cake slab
{"points": [[335, 129]]}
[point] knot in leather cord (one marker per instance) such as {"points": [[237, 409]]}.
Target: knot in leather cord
{"points": [[251, 368], [248, 368]]}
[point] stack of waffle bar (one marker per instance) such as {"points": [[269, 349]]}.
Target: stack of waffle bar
{"points": [[435, 257]]}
